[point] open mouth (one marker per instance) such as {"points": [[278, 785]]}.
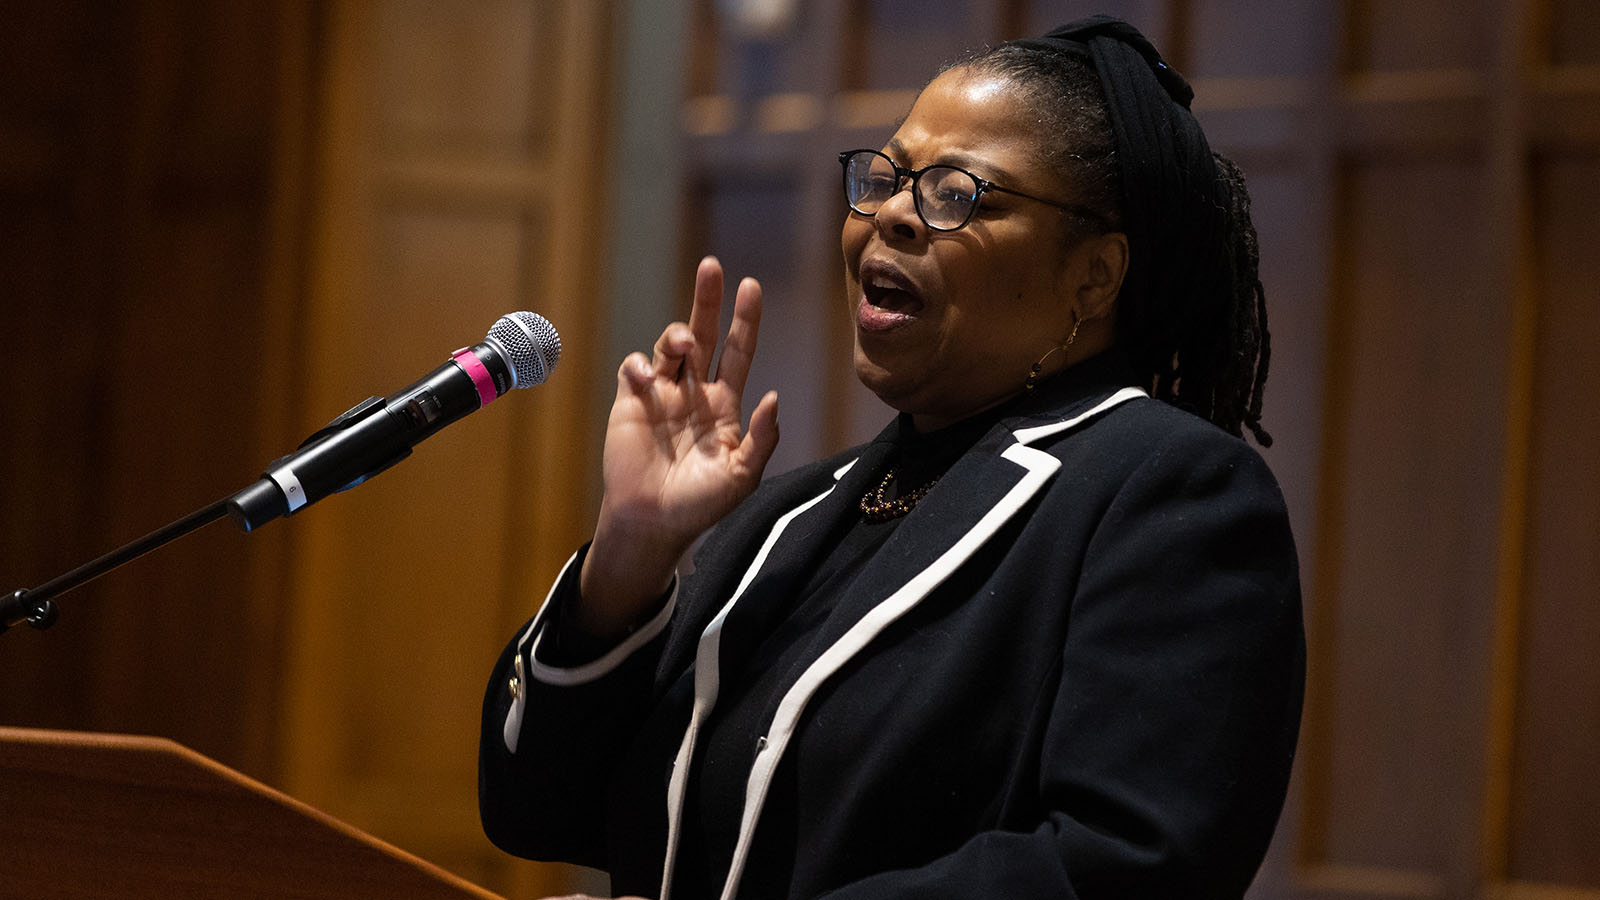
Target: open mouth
{"points": [[887, 290]]}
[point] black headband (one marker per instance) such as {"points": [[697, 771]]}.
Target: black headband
{"points": [[1174, 202]]}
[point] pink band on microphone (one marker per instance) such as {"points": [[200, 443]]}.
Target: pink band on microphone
{"points": [[479, 373]]}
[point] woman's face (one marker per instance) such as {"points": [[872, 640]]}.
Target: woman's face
{"points": [[948, 323]]}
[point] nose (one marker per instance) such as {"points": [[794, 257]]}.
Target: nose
{"points": [[898, 214]]}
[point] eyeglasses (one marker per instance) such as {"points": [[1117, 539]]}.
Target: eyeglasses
{"points": [[945, 197]]}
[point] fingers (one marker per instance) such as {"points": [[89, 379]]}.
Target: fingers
{"points": [[740, 349], [671, 350], [761, 438], [689, 348], [705, 316], [635, 372]]}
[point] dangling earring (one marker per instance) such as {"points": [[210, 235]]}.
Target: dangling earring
{"points": [[1033, 374]]}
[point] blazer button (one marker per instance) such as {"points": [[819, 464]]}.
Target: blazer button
{"points": [[515, 682]]}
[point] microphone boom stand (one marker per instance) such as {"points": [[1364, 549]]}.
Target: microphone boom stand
{"points": [[363, 441], [261, 502], [37, 607]]}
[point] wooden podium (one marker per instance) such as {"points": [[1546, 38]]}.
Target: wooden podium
{"points": [[103, 815]]}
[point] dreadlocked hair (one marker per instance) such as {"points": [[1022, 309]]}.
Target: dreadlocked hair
{"points": [[1206, 351], [1236, 398]]}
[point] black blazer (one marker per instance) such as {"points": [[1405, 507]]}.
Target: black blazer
{"points": [[1074, 670]]}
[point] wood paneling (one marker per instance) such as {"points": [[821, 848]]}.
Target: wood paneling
{"points": [[226, 224], [1419, 36], [1573, 35], [1414, 584], [1556, 774], [57, 171], [150, 222], [891, 43], [462, 178]]}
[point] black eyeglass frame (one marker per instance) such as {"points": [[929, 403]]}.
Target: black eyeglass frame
{"points": [[984, 186]]}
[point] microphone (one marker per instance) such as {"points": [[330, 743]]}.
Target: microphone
{"points": [[519, 351]]}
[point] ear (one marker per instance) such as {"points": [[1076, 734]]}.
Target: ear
{"points": [[1102, 261]]}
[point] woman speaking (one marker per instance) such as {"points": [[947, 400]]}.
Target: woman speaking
{"points": [[1040, 638]]}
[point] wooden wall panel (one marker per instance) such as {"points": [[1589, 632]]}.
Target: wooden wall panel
{"points": [[1556, 780], [57, 178], [397, 582], [752, 57], [1245, 39], [468, 78], [462, 175], [1418, 36], [156, 184], [1573, 34], [899, 44], [1153, 17], [1423, 777], [1419, 359]]}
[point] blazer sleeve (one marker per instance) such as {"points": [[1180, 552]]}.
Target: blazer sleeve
{"points": [[552, 732], [1167, 746]]}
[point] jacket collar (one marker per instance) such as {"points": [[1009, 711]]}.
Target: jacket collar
{"points": [[974, 485], [992, 480]]}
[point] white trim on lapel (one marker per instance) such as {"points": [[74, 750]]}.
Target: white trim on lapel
{"points": [[1029, 435], [706, 682]]}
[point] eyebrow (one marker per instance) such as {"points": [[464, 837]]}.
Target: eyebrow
{"points": [[987, 170]]}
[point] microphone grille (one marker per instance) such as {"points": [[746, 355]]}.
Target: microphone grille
{"points": [[532, 346]]}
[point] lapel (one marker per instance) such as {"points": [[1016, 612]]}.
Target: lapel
{"points": [[982, 492], [973, 500]]}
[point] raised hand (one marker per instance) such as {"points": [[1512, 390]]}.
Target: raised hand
{"points": [[677, 457]]}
